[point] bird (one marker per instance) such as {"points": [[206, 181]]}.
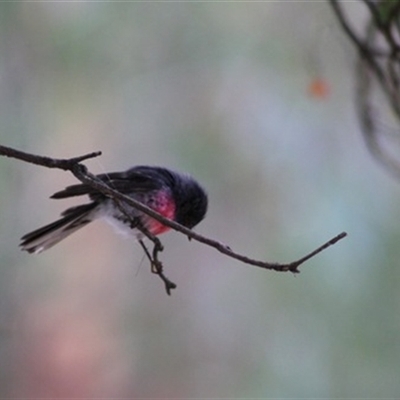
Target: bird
{"points": [[174, 195]]}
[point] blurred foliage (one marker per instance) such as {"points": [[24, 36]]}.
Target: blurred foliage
{"points": [[377, 75], [222, 91]]}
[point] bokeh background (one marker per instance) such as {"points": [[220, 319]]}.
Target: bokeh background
{"points": [[256, 101]]}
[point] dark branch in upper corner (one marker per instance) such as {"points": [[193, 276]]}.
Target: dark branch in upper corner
{"points": [[82, 174], [377, 69], [365, 52]]}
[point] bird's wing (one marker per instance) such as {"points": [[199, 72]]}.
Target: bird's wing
{"points": [[124, 182]]}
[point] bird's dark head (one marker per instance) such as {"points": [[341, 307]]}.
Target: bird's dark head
{"points": [[191, 201], [189, 197]]}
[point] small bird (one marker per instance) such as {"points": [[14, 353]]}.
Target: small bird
{"points": [[175, 196]]}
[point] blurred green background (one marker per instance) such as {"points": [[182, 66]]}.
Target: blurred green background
{"points": [[256, 101]]}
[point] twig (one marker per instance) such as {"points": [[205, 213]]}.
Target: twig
{"points": [[81, 173], [157, 267], [65, 164]]}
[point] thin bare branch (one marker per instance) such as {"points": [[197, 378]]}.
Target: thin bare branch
{"points": [[157, 267], [81, 173], [65, 164]]}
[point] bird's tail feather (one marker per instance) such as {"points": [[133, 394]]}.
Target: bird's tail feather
{"points": [[43, 238]]}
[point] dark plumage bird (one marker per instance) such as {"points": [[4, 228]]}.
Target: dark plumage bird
{"points": [[176, 196]]}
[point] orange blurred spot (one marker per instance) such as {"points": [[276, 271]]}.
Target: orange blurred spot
{"points": [[319, 88]]}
